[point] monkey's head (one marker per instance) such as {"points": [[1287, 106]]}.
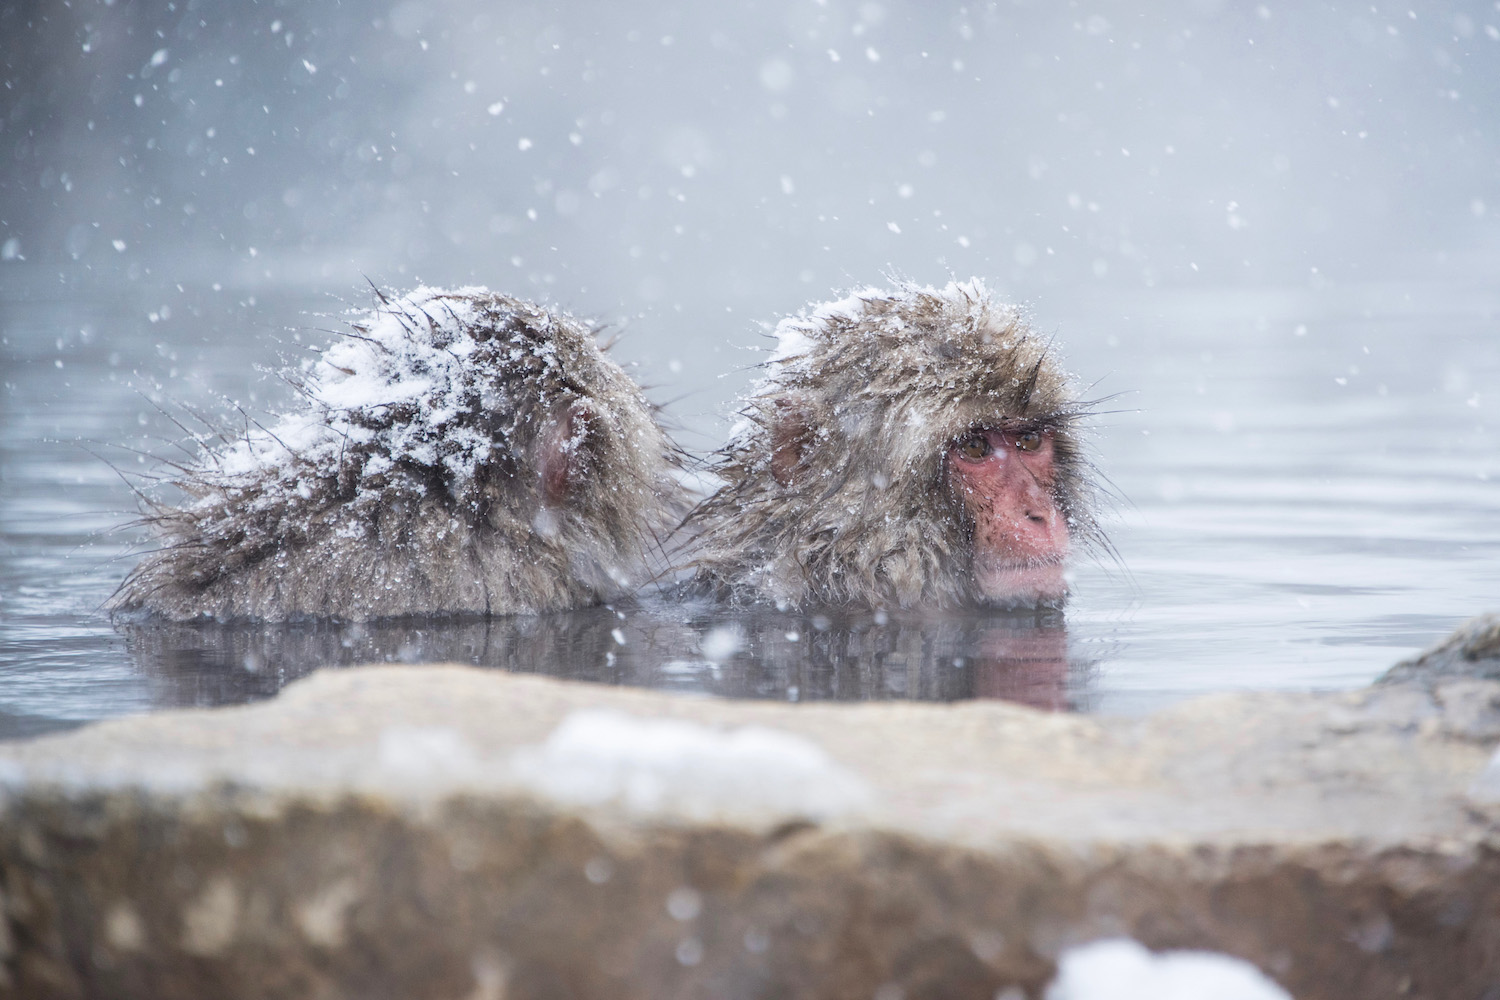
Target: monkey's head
{"points": [[534, 439], [915, 447]]}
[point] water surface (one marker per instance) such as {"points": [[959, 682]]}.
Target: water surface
{"points": [[1308, 484]]}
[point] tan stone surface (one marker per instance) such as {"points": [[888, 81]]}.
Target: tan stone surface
{"points": [[395, 831]]}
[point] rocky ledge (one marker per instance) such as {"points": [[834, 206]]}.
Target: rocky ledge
{"points": [[442, 831]]}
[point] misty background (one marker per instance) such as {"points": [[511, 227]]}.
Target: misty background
{"points": [[690, 169], [1270, 231]]}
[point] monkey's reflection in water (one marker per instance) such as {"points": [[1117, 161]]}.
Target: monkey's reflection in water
{"points": [[706, 649], [1017, 656]]}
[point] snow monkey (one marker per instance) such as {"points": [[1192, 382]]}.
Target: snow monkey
{"points": [[457, 452], [908, 448]]}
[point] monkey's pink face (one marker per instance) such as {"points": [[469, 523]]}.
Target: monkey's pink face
{"points": [[1005, 479]]}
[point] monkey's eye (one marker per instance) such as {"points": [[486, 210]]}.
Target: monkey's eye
{"points": [[1029, 440], [974, 447]]}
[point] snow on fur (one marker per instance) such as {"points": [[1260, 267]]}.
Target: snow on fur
{"points": [[410, 355]]}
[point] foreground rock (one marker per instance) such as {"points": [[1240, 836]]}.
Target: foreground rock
{"points": [[450, 832], [1473, 651]]}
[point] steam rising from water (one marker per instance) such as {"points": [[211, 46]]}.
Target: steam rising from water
{"points": [[635, 156]]}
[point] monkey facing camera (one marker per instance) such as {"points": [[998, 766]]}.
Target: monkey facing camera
{"points": [[916, 447]]}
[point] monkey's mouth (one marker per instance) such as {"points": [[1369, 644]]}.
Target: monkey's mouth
{"points": [[1021, 581]]}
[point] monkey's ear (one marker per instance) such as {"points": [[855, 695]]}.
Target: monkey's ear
{"points": [[791, 436], [560, 458]]}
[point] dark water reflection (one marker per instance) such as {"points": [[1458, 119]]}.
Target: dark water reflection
{"points": [[1019, 656]]}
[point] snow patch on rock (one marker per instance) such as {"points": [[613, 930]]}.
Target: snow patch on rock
{"points": [[601, 757], [1121, 969]]}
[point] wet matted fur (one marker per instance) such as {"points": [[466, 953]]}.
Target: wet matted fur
{"points": [[835, 484], [458, 453]]}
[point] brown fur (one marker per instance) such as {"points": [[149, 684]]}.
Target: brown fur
{"points": [[836, 490], [530, 477]]}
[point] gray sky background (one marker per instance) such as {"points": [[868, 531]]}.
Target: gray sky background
{"points": [[660, 164]]}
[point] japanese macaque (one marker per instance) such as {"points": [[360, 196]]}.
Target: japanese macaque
{"points": [[908, 448], [457, 453]]}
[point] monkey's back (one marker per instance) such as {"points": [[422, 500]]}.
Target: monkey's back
{"points": [[412, 481]]}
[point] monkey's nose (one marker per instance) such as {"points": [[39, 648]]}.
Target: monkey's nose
{"points": [[1038, 532]]}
